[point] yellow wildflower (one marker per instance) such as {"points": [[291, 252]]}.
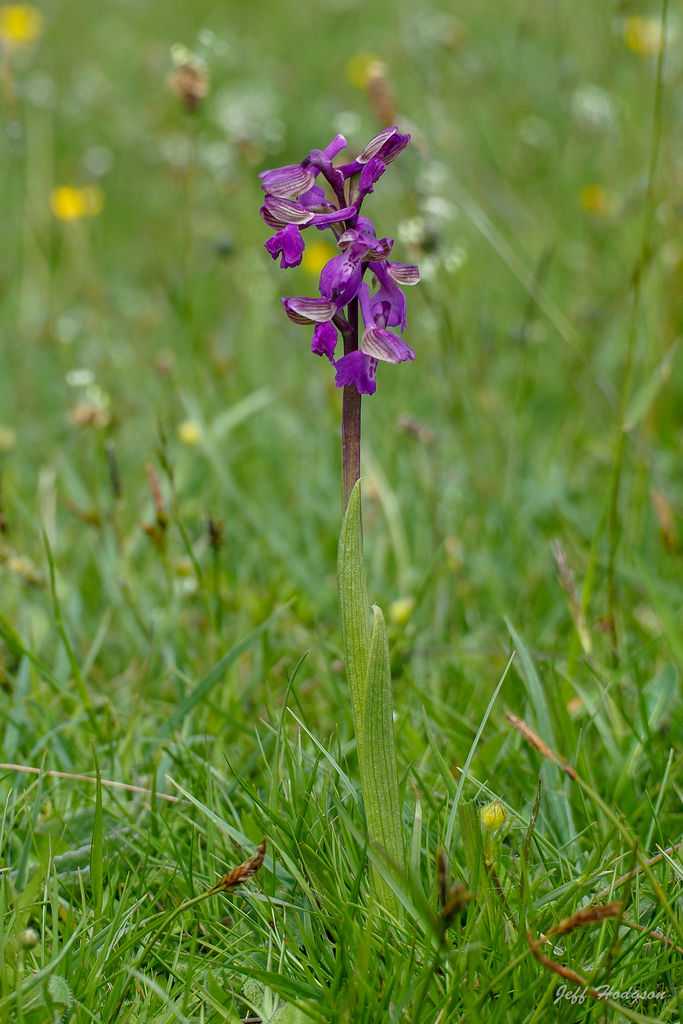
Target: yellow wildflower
{"points": [[189, 432], [643, 35], [20, 25], [362, 68], [597, 200], [71, 203], [316, 255]]}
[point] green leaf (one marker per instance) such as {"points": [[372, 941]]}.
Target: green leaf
{"points": [[468, 817], [369, 675], [59, 990], [378, 769], [354, 608]]}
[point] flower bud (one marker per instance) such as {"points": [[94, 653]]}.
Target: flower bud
{"points": [[493, 816], [401, 610], [28, 938]]}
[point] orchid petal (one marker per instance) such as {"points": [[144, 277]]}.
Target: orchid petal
{"points": [[394, 147], [388, 302], [382, 249], [321, 219], [315, 196], [302, 310], [358, 369], [385, 346], [403, 273], [324, 341], [287, 182], [341, 277], [348, 170], [285, 211], [289, 243], [375, 145], [332, 148], [372, 171]]}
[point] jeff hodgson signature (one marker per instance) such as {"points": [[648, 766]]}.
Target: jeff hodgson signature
{"points": [[577, 995]]}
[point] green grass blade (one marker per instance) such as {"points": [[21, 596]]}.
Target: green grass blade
{"points": [[215, 675], [97, 844]]}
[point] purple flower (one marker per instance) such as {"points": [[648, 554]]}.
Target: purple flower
{"points": [[324, 340], [294, 201], [386, 147], [358, 369], [309, 311], [287, 182], [289, 243], [341, 278], [376, 344]]}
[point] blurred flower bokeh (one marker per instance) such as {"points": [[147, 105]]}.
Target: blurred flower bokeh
{"points": [[21, 25], [69, 202]]}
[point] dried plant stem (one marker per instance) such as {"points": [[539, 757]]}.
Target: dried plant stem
{"points": [[53, 774], [631, 874]]}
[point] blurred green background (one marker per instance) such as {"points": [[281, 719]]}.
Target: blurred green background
{"points": [[141, 324]]}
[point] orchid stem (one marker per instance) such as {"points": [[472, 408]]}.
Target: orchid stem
{"points": [[350, 414]]}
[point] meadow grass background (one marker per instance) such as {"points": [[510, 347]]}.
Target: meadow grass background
{"points": [[541, 197]]}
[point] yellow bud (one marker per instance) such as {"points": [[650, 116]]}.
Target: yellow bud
{"points": [[401, 610], [493, 816], [28, 938], [189, 433]]}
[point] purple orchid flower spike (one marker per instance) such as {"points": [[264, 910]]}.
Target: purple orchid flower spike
{"points": [[359, 279]]}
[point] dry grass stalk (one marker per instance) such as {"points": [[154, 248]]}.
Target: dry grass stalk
{"points": [[190, 84], [535, 740], [666, 520], [569, 586], [379, 94], [243, 872], [53, 774], [564, 972], [586, 917], [581, 919], [634, 871]]}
